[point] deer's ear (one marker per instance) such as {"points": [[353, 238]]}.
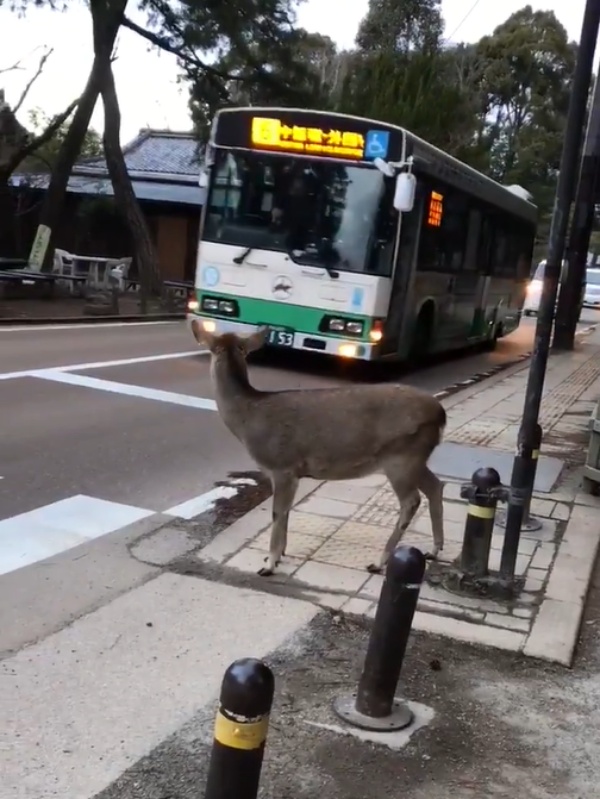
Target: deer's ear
{"points": [[256, 340], [202, 336]]}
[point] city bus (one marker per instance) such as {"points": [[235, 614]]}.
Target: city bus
{"points": [[350, 237]]}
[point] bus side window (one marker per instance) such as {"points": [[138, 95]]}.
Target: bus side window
{"points": [[500, 261], [484, 247], [444, 230]]}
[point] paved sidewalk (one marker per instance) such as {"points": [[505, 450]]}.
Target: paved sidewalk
{"points": [[336, 529]]}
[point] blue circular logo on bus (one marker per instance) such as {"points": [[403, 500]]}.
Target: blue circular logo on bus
{"points": [[210, 276]]}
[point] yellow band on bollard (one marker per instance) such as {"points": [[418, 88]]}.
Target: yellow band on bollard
{"points": [[481, 513], [535, 454], [241, 734]]}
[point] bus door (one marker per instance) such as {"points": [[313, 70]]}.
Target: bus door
{"points": [[475, 306], [399, 318], [461, 229]]}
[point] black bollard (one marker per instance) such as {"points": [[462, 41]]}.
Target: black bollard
{"points": [[240, 731], [374, 706], [483, 493]]}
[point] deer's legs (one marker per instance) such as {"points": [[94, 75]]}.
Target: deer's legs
{"points": [[410, 500], [433, 488], [284, 490]]}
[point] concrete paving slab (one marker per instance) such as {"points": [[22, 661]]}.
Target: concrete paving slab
{"points": [[41, 599], [459, 461], [105, 691]]}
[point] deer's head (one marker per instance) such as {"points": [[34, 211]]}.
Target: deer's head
{"points": [[229, 350]]}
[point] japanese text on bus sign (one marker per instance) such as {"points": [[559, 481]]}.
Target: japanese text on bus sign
{"points": [[436, 209], [273, 134]]}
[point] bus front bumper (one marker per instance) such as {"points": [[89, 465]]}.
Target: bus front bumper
{"points": [[324, 345]]}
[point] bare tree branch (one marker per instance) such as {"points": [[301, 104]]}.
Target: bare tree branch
{"points": [[12, 67], [164, 44], [37, 74], [37, 141]]}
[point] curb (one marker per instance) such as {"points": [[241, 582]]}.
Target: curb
{"points": [[78, 320]]}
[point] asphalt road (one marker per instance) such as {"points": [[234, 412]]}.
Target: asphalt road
{"points": [[61, 439], [103, 427]]}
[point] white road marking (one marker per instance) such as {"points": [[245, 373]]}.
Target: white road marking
{"points": [[203, 502], [82, 367], [85, 325], [124, 388], [51, 529]]}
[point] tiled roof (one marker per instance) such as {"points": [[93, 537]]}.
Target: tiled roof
{"points": [[156, 152]]}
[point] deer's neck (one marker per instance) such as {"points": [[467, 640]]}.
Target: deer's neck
{"points": [[234, 394]]}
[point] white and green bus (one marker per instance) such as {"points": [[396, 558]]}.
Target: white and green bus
{"points": [[350, 237]]}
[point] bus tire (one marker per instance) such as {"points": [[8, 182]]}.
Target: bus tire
{"points": [[422, 335], [491, 344]]}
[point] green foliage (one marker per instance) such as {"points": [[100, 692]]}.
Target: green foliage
{"points": [[239, 51], [401, 26], [499, 104], [45, 157]]}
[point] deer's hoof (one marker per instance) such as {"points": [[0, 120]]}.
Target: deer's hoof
{"points": [[265, 572], [431, 555], [372, 568]]}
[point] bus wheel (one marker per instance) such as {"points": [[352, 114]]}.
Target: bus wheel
{"points": [[491, 344], [423, 333]]}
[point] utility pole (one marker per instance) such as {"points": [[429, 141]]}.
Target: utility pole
{"points": [[519, 485], [567, 313]]}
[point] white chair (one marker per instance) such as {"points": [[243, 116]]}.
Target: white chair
{"points": [[118, 267], [64, 264]]}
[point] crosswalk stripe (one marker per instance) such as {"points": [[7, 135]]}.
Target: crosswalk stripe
{"points": [[51, 529]]}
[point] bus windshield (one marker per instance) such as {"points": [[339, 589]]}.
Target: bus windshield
{"points": [[319, 212]]}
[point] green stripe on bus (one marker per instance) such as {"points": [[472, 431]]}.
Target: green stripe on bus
{"points": [[301, 318]]}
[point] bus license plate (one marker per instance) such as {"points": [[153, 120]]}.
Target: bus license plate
{"points": [[281, 338]]}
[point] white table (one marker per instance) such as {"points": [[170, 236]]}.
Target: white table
{"points": [[94, 265]]}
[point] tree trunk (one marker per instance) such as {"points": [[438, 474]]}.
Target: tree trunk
{"points": [[54, 197], [103, 13], [145, 252]]}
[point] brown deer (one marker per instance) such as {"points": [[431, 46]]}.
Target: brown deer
{"points": [[329, 434]]}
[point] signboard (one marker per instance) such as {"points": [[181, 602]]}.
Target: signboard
{"points": [[311, 134], [273, 134], [39, 247], [436, 209]]}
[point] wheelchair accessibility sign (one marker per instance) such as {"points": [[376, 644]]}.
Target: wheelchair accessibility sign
{"points": [[377, 144]]}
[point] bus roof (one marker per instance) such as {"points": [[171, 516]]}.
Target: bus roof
{"points": [[430, 159]]}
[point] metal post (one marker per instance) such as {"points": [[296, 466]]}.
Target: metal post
{"points": [[558, 229], [569, 301], [240, 731], [114, 279], [529, 523], [483, 493], [374, 706]]}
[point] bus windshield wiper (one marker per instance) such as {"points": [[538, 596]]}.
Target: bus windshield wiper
{"points": [[239, 259], [333, 274]]}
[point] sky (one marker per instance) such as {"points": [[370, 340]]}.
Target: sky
{"points": [[147, 81]]}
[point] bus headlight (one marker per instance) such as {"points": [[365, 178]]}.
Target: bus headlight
{"points": [[226, 306], [356, 328], [209, 304], [337, 324]]}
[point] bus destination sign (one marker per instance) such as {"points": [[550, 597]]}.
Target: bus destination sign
{"points": [[273, 134]]}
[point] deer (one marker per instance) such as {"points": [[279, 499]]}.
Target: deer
{"points": [[338, 433]]}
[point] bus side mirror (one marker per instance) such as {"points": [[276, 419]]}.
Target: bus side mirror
{"points": [[404, 193]]}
